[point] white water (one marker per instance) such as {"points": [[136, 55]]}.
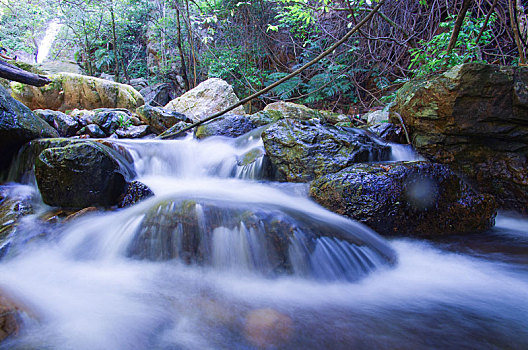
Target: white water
{"points": [[49, 37], [85, 293]]}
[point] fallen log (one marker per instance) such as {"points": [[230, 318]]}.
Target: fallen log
{"points": [[8, 71]]}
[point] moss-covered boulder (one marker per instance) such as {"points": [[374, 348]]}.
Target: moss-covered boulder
{"points": [[68, 91], [266, 117], [18, 125], [474, 117], [206, 99], [293, 110], [406, 199], [82, 174], [230, 125], [301, 152], [160, 119]]}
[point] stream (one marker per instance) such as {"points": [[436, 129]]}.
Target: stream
{"points": [[84, 287]]}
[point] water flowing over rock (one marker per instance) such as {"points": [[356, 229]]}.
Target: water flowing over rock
{"points": [[209, 97], [68, 91], [13, 206], [300, 152], [135, 192], [9, 320], [82, 174], [474, 117], [230, 125], [160, 119], [406, 198], [18, 125], [265, 239]]}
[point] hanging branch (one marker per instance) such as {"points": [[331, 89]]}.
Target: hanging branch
{"points": [[486, 21], [289, 76]]}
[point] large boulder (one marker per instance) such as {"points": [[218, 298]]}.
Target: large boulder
{"points": [[206, 99], [474, 117], [405, 198], [18, 125], [230, 125], [82, 174], [293, 110], [301, 152], [160, 119], [68, 91]]}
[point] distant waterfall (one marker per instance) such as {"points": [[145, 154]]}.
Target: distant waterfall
{"points": [[45, 45]]}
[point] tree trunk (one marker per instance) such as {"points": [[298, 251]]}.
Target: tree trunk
{"points": [[8, 71], [180, 49], [114, 37], [458, 24]]}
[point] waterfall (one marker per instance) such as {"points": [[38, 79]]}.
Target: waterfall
{"points": [[49, 37]]}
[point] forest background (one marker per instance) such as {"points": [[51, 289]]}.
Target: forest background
{"points": [[251, 44]]}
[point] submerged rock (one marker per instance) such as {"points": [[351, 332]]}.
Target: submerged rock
{"points": [[209, 97], [406, 198], [13, 206], [230, 125], [82, 174], [18, 125], [300, 152], [160, 119], [262, 239], [68, 91], [474, 117], [9, 317]]}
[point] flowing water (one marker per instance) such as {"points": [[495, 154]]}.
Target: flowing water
{"points": [[49, 37], [114, 281]]}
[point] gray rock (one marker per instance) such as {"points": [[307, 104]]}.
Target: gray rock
{"points": [[160, 119], [92, 130], [136, 192], [230, 125], [133, 132], [160, 94]]}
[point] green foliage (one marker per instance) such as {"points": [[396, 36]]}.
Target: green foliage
{"points": [[432, 55], [124, 122]]}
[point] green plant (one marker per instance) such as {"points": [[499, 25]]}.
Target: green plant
{"points": [[432, 55], [124, 122]]}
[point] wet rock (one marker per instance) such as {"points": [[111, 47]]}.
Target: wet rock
{"points": [[18, 125], [66, 125], [160, 94], [206, 99], [300, 152], [109, 120], [254, 164], [92, 130], [82, 174], [68, 91], [230, 125], [376, 117], [474, 117], [135, 192], [389, 132], [406, 199], [133, 132], [160, 119], [174, 131], [83, 116]]}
